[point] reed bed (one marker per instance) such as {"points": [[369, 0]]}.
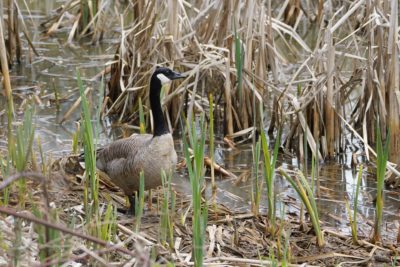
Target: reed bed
{"points": [[86, 19], [322, 72], [317, 67], [13, 28]]}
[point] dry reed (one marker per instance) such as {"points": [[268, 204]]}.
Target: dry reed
{"points": [[335, 52]]}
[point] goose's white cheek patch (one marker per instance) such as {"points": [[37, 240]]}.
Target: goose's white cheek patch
{"points": [[164, 79]]}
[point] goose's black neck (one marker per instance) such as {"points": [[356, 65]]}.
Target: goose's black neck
{"points": [[160, 126]]}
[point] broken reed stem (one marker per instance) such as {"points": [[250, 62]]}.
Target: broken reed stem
{"points": [[228, 99], [211, 149], [329, 111], [243, 261]]}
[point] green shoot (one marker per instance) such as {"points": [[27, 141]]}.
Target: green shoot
{"points": [[17, 246], [167, 233], [139, 202], [353, 218], [239, 63], [300, 184], [316, 171], [313, 172], [75, 139], [257, 185], [85, 11], [90, 136], [269, 174], [272, 258], [381, 162], [49, 239], [108, 227], [21, 153], [196, 175], [282, 241], [91, 181]]}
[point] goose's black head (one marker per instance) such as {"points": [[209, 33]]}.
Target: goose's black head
{"points": [[160, 76], [166, 75]]}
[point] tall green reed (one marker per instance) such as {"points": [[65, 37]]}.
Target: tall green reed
{"points": [[19, 153], [22, 148], [89, 138], [108, 227], [49, 239], [196, 174], [239, 62], [88, 11], [353, 218], [139, 202], [257, 186], [17, 244], [313, 171], [269, 175], [304, 145], [167, 211], [91, 201], [382, 152]]}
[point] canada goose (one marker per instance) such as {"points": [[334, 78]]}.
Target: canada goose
{"points": [[124, 159]]}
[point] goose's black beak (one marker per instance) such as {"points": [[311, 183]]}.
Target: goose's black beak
{"points": [[176, 75]]}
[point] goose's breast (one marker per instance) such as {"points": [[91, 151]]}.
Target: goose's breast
{"points": [[161, 156]]}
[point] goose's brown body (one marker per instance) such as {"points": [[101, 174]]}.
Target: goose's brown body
{"points": [[124, 159]]}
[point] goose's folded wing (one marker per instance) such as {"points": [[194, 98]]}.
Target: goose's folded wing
{"points": [[120, 150]]}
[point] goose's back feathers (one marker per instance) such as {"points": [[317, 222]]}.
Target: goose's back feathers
{"points": [[123, 160]]}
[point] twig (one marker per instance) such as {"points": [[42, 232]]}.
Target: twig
{"points": [[134, 235], [73, 107], [361, 261]]}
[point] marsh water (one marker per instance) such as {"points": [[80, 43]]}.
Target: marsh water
{"points": [[37, 78]]}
